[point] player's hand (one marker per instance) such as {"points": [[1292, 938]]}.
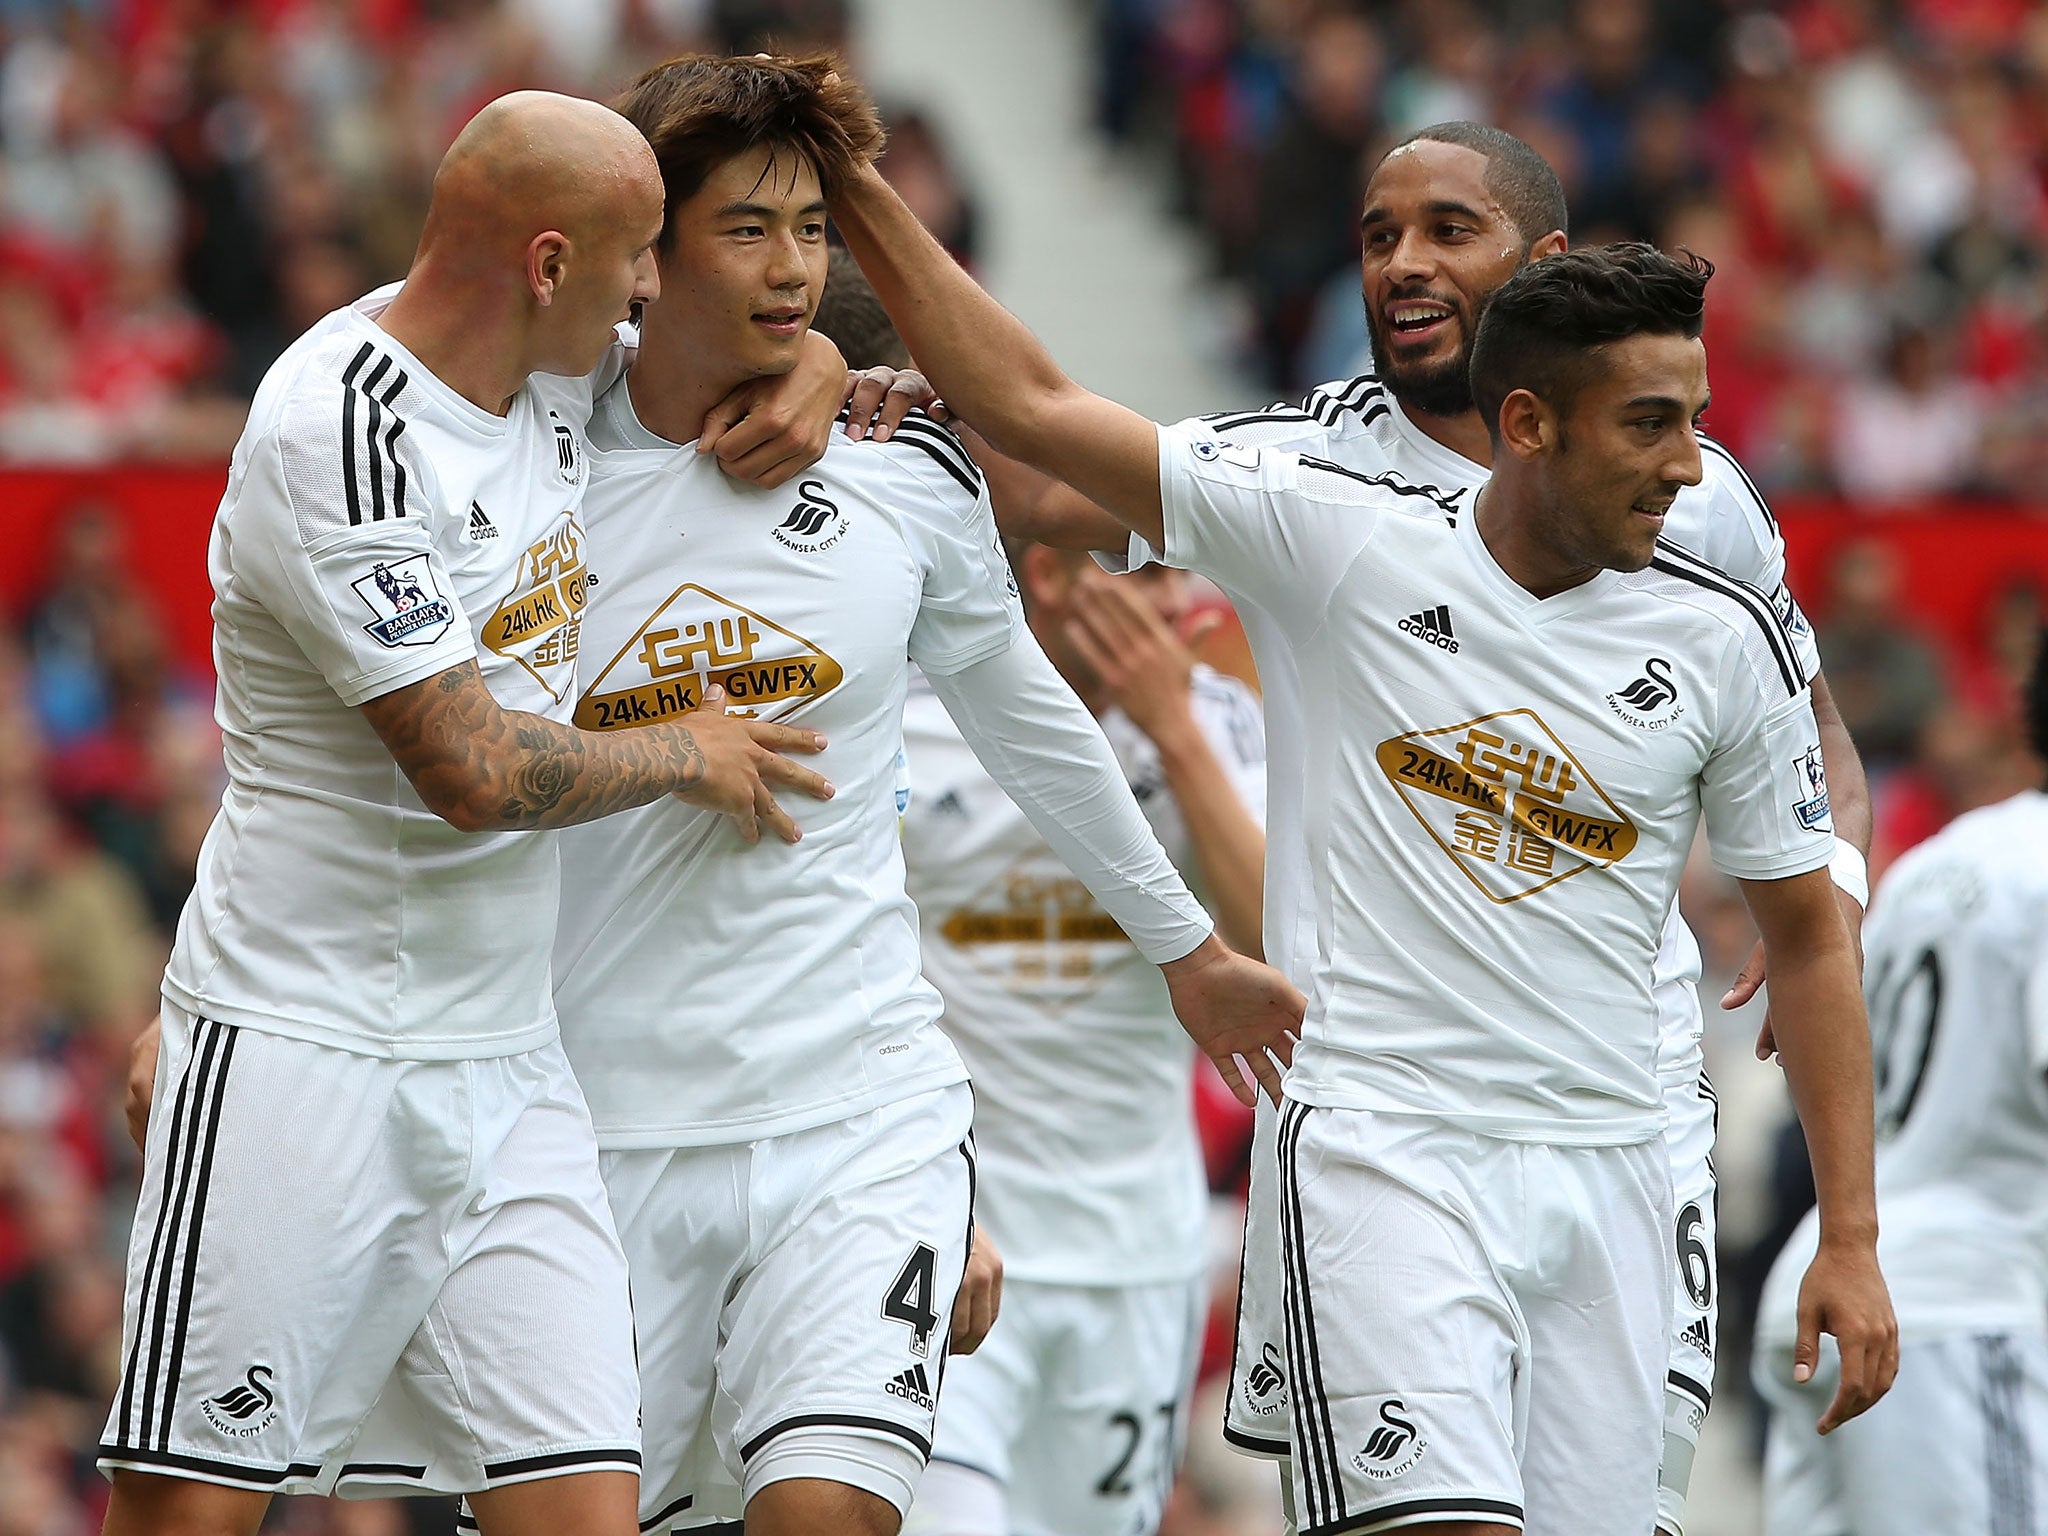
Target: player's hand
{"points": [[742, 760], [877, 400], [142, 1080], [1843, 1294], [1233, 1007], [771, 430], [981, 1295], [1143, 664], [1751, 976]]}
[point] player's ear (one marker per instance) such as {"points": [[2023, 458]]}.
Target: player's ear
{"points": [[547, 262], [1528, 426], [1552, 244]]}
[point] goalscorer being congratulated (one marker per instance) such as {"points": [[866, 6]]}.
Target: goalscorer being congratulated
{"points": [[785, 1129], [1475, 1195]]}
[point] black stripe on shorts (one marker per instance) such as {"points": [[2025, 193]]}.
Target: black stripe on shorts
{"points": [[844, 1421]]}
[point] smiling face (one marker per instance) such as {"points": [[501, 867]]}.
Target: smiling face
{"points": [[1437, 244], [1613, 459], [743, 268]]}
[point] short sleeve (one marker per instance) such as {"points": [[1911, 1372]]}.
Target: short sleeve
{"points": [[366, 598], [1276, 527], [970, 609], [1739, 533], [1277, 426], [1764, 788]]}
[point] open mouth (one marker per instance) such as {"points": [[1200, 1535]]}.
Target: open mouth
{"points": [[781, 322], [1418, 319], [1652, 509]]}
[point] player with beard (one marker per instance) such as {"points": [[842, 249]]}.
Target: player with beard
{"points": [[1450, 214]]}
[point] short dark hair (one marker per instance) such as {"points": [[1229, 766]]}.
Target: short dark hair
{"points": [[1542, 325], [853, 317], [2034, 699], [699, 112], [1527, 188]]}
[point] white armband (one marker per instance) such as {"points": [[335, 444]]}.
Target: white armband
{"points": [[1850, 871]]}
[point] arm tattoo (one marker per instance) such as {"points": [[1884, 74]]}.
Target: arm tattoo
{"points": [[487, 768]]}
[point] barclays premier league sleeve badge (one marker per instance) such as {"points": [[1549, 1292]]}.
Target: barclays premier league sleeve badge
{"points": [[1813, 812], [409, 607]]}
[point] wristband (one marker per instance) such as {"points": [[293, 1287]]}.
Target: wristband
{"points": [[1850, 871]]}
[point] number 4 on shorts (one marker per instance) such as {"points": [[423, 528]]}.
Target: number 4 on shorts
{"points": [[912, 1295]]}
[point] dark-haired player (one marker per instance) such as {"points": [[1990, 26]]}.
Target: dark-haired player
{"points": [[1476, 1198], [785, 1129], [1956, 974], [1450, 214]]}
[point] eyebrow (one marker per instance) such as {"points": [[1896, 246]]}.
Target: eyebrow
{"points": [[1656, 402], [1439, 206], [762, 210]]}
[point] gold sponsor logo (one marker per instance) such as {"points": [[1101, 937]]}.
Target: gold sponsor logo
{"points": [[697, 638], [1036, 927], [1505, 798], [540, 624]]}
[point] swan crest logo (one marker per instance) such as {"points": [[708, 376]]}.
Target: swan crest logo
{"points": [[1651, 702], [1394, 1446], [245, 1409]]}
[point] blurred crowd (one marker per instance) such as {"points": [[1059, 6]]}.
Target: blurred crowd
{"points": [[1870, 178], [186, 185]]}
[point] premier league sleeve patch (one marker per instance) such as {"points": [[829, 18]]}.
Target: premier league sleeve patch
{"points": [[1813, 812], [409, 607]]}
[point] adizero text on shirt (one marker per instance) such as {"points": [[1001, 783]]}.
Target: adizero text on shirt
{"points": [[379, 529], [1494, 834], [711, 991]]}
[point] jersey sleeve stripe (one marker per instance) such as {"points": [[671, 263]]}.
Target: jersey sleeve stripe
{"points": [[952, 459], [1674, 561], [391, 444], [1715, 448], [374, 418], [1283, 413], [1390, 482], [348, 431], [944, 440]]}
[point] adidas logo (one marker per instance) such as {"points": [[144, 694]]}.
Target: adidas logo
{"points": [[1434, 626], [949, 804], [1697, 1335], [913, 1386], [480, 527]]}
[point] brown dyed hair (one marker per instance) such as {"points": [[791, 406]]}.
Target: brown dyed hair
{"points": [[699, 112]]}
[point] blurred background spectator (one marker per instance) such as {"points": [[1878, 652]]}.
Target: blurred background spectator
{"points": [[1872, 177], [185, 185]]}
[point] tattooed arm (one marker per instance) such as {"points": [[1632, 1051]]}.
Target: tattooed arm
{"points": [[483, 768]]}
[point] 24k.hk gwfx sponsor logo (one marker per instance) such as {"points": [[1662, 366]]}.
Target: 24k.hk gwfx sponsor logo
{"points": [[697, 638], [540, 622], [1507, 801]]}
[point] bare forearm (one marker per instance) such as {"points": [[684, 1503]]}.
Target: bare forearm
{"points": [[1848, 788], [487, 769], [1032, 505], [1229, 844], [1824, 1042], [991, 370]]}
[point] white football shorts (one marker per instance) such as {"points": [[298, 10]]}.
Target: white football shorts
{"points": [[1477, 1329], [793, 1298], [370, 1275], [1959, 1444], [1696, 1299], [1256, 1419], [1070, 1419]]}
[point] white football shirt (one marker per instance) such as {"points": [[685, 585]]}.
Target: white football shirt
{"points": [[1090, 1172], [713, 992], [1499, 792], [1956, 976], [1358, 424], [378, 529]]}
